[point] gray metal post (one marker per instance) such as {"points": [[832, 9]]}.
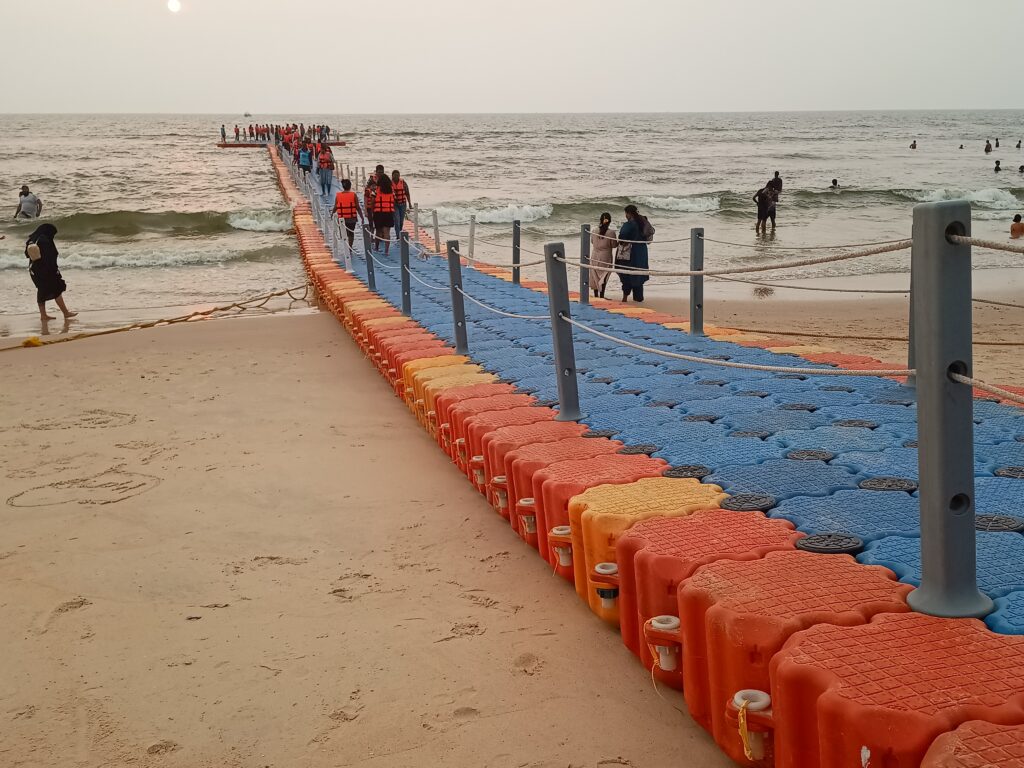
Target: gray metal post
{"points": [[911, 354], [437, 232], [472, 236], [458, 306], [945, 430], [371, 278], [416, 221], [406, 292], [585, 264], [696, 282], [517, 236], [561, 334]]}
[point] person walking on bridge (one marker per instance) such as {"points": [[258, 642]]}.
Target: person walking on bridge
{"points": [[403, 199], [346, 207], [325, 167], [384, 213]]}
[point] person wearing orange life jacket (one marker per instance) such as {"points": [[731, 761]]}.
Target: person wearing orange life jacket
{"points": [[383, 213], [403, 199], [325, 167], [346, 207]]}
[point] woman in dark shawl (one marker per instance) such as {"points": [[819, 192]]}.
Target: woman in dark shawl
{"points": [[50, 286], [635, 234]]}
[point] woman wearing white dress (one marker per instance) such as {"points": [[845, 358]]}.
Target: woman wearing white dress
{"points": [[602, 254]]}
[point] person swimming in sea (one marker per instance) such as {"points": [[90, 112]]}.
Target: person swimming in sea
{"points": [[835, 184], [1016, 228], [997, 169], [988, 146], [913, 144]]}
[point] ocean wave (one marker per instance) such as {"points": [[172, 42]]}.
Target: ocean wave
{"points": [[703, 204], [97, 257], [501, 214], [124, 225], [991, 197]]}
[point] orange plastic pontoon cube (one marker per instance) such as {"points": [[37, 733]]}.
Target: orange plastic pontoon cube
{"points": [[497, 444], [555, 485], [480, 425], [461, 411], [438, 410], [655, 556], [522, 463], [433, 388], [880, 693], [736, 615], [600, 515], [978, 744]]}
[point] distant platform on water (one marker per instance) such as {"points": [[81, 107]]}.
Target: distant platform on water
{"points": [[259, 144]]}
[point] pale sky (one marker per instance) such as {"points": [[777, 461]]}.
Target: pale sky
{"points": [[373, 56]]}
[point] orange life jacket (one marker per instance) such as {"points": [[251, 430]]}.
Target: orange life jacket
{"points": [[384, 203], [326, 161], [347, 204], [401, 192]]}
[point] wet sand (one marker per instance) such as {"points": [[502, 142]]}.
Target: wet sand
{"points": [[226, 544]]}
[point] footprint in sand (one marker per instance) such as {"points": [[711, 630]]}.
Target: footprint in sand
{"points": [[43, 626], [463, 629], [163, 747], [527, 664], [92, 419], [107, 487], [262, 561]]}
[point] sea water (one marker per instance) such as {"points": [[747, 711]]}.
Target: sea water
{"points": [[150, 212]]}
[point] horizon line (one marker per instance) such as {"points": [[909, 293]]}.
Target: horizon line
{"points": [[484, 114]]}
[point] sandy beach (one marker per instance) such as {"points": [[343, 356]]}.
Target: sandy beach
{"points": [[835, 320], [225, 553]]}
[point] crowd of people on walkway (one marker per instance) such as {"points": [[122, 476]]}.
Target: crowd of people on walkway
{"points": [[386, 201], [266, 133]]}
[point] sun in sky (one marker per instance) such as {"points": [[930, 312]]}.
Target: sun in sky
{"points": [[173, 5]]}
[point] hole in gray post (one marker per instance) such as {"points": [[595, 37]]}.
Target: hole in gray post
{"points": [[959, 503], [955, 228]]}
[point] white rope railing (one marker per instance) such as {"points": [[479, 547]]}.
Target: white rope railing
{"points": [[381, 263], [999, 392], [992, 245], [744, 366], [501, 312], [811, 287], [508, 265], [898, 245], [756, 246], [998, 303], [423, 282]]}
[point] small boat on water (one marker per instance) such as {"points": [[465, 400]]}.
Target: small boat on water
{"points": [[248, 114]]}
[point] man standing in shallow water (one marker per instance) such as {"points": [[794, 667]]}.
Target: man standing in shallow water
{"points": [[29, 206]]}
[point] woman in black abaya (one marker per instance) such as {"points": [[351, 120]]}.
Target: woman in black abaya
{"points": [[45, 274]]}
